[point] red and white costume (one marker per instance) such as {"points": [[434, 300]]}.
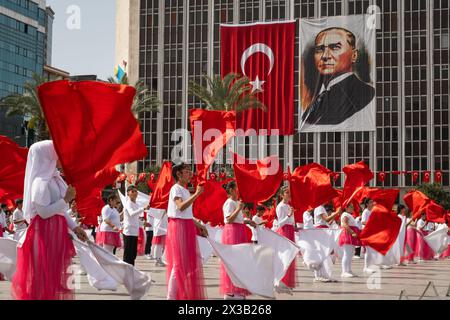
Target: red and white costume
{"points": [[108, 237], [160, 221], [348, 242], [286, 225], [184, 272], [45, 254], [233, 233]]}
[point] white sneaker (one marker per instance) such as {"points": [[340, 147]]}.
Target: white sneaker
{"points": [[233, 297], [356, 257], [386, 267], [403, 264], [159, 263], [347, 275], [368, 270], [282, 288]]}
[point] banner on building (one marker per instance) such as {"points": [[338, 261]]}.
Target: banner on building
{"points": [[337, 74], [264, 52]]}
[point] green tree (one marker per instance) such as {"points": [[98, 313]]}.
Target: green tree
{"points": [[436, 192], [144, 100], [28, 105], [233, 92]]}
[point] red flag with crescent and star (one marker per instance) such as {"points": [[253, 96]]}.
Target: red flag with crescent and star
{"points": [[264, 52]]}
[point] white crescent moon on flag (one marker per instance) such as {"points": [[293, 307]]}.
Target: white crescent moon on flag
{"points": [[257, 47]]}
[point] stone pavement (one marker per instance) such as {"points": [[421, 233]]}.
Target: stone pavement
{"points": [[385, 285]]}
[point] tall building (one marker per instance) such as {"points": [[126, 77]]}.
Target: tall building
{"points": [[25, 46], [167, 43]]}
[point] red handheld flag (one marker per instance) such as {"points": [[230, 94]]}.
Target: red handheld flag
{"points": [[416, 202], [208, 206], [382, 228], [93, 130], [310, 187], [357, 175], [264, 52], [13, 161], [258, 182], [160, 195], [207, 125]]}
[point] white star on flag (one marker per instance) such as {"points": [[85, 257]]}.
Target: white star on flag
{"points": [[257, 85]]}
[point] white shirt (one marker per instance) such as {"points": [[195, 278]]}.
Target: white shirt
{"points": [[178, 191], [257, 220], [365, 216], [282, 211], [2, 219], [113, 216], [318, 212], [18, 216], [308, 221], [422, 225], [335, 81], [131, 214], [150, 221], [52, 202], [228, 208], [351, 221], [358, 222]]}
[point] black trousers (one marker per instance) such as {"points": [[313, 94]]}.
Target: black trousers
{"points": [[130, 244], [148, 242]]}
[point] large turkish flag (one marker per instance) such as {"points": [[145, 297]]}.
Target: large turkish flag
{"points": [[264, 52]]}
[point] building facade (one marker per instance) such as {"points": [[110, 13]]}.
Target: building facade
{"points": [[25, 41], [168, 43]]}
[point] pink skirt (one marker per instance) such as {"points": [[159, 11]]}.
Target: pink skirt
{"points": [[1, 235], [141, 242], [233, 233], [43, 261], [346, 238], [446, 253], [412, 247], [159, 240], [425, 253], [110, 238], [183, 256], [289, 278]]}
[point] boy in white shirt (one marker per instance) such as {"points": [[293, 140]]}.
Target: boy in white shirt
{"points": [[257, 218], [131, 214]]}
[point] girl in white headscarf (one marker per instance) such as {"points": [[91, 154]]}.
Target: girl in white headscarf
{"points": [[44, 254]]}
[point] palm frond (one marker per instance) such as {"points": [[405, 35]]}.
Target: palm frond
{"points": [[233, 92]]}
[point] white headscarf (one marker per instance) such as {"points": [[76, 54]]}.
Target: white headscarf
{"points": [[40, 170]]}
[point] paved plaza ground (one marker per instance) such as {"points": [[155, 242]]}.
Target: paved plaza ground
{"points": [[386, 285]]}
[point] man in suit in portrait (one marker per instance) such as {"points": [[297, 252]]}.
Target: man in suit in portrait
{"points": [[340, 93]]}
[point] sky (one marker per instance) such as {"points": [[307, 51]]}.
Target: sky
{"points": [[84, 36]]}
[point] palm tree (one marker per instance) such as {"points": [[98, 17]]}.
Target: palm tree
{"points": [[28, 105], [233, 92], [143, 101]]}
